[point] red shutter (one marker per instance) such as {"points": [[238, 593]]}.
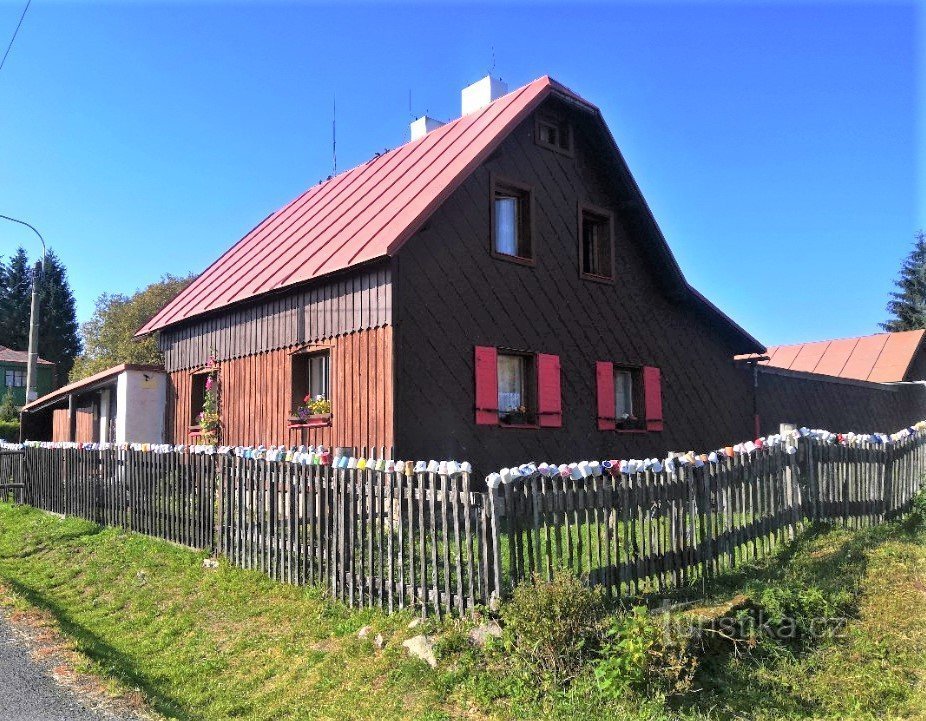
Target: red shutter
{"points": [[549, 398], [604, 372], [652, 397], [486, 386]]}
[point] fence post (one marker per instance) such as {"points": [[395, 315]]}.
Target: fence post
{"points": [[495, 589]]}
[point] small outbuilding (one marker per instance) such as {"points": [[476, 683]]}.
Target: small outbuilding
{"points": [[123, 404]]}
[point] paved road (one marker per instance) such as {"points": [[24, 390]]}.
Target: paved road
{"points": [[29, 693]]}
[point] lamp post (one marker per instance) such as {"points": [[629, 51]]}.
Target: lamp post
{"points": [[31, 367]]}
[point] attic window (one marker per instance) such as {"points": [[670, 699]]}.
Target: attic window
{"points": [[595, 244], [554, 134]]}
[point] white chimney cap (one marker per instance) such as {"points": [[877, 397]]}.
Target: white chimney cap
{"points": [[481, 93], [424, 125]]}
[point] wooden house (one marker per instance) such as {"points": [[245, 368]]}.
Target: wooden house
{"points": [[496, 290]]}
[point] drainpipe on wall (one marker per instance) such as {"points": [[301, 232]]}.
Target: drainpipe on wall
{"points": [[753, 363], [755, 399]]}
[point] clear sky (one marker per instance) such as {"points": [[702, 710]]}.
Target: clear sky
{"points": [[775, 143]]}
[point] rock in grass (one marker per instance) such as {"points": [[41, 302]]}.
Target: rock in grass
{"points": [[210, 563], [422, 647], [415, 622], [364, 632], [481, 634], [379, 641]]}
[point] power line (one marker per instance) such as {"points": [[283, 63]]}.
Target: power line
{"points": [[15, 33]]}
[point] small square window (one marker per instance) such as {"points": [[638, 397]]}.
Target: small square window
{"points": [[554, 134], [517, 385], [628, 398], [311, 380], [595, 245], [15, 379], [511, 222]]}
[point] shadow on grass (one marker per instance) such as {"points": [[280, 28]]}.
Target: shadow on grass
{"points": [[114, 663], [732, 686]]}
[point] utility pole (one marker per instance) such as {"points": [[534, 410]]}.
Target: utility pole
{"points": [[31, 379], [31, 376]]}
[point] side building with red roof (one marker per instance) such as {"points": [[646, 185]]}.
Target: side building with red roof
{"points": [[869, 383]]}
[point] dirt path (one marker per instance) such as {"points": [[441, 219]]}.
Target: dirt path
{"points": [[29, 691]]}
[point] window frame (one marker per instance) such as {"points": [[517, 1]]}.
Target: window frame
{"points": [[637, 399], [606, 217], [195, 376], [530, 401], [14, 372], [560, 124], [300, 358], [502, 186]]}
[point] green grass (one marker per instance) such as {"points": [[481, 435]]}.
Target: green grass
{"points": [[227, 643]]}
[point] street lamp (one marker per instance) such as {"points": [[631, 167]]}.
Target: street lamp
{"points": [[31, 367]]}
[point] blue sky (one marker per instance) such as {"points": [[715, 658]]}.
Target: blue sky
{"points": [[776, 143]]}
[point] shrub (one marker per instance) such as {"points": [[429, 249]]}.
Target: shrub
{"points": [[642, 655], [553, 627], [9, 431], [8, 410]]}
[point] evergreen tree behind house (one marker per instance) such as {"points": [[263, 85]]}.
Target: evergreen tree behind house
{"points": [[59, 342], [908, 302]]}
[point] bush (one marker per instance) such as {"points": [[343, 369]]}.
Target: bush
{"points": [[553, 627], [8, 409], [9, 431], [642, 655]]}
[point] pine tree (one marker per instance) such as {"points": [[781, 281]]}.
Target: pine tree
{"points": [[59, 341], [908, 303], [15, 302]]}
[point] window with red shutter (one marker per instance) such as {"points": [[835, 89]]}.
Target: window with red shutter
{"points": [[486, 386], [549, 397], [652, 393], [604, 373]]}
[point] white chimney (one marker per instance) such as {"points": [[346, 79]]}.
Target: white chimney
{"points": [[424, 125], [481, 93]]}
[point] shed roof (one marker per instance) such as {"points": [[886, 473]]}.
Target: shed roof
{"points": [[881, 358], [8, 355], [367, 213], [85, 385]]}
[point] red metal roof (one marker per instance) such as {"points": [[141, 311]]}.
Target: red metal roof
{"points": [[880, 358], [8, 355], [360, 215]]}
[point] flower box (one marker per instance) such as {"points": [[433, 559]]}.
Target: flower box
{"points": [[312, 420]]}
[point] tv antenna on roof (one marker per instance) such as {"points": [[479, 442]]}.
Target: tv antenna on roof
{"points": [[334, 134]]}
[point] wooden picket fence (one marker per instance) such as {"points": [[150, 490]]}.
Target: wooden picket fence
{"points": [[165, 495], [649, 532], [431, 543]]}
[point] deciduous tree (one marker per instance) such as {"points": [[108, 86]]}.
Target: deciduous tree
{"points": [[109, 335]]}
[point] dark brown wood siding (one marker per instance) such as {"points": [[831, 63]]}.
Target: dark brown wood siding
{"points": [[353, 302], [452, 295], [256, 395], [836, 404]]}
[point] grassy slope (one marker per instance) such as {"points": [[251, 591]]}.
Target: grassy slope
{"points": [[229, 643]]}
